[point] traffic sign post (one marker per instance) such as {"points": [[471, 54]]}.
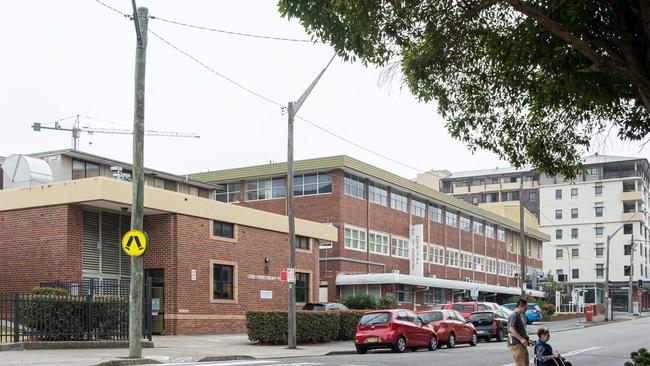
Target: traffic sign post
{"points": [[291, 275]]}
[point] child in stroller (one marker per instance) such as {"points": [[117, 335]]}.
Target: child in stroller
{"points": [[544, 355]]}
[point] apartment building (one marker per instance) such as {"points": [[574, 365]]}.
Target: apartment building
{"points": [[395, 236], [487, 186], [609, 200]]}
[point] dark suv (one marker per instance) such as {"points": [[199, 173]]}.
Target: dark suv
{"points": [[324, 306], [490, 324]]}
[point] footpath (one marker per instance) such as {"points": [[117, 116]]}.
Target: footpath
{"points": [[178, 349]]}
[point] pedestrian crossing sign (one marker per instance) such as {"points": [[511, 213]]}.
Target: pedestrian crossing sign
{"points": [[134, 243]]}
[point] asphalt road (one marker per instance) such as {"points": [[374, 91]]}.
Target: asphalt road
{"points": [[607, 345]]}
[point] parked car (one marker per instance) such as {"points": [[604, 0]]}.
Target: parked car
{"points": [[440, 307], [533, 312], [466, 308], [451, 327], [324, 306], [492, 305], [505, 310], [490, 324], [395, 329]]}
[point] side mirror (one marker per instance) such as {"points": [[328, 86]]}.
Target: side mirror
{"points": [[424, 322]]}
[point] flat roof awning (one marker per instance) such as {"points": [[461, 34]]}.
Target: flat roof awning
{"points": [[392, 278]]}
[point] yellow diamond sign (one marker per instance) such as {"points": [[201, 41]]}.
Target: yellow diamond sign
{"points": [[134, 243]]}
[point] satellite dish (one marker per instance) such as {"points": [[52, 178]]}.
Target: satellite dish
{"points": [[24, 171]]}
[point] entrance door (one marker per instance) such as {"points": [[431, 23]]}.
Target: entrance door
{"points": [[322, 293], [157, 299]]}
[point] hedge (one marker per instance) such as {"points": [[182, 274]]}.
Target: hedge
{"points": [[270, 327]]}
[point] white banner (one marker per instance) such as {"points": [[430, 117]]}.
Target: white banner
{"points": [[416, 250]]}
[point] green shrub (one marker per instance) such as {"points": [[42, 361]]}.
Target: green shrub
{"points": [[348, 321], [360, 302], [270, 327], [386, 302], [639, 358], [49, 291]]}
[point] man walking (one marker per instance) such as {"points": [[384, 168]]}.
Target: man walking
{"points": [[518, 340]]}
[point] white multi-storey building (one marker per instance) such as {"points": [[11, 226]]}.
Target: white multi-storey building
{"points": [[608, 199]]}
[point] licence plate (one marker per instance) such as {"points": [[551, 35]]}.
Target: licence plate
{"points": [[372, 340], [482, 331]]}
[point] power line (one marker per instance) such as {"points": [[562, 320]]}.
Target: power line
{"points": [[230, 32], [113, 9]]}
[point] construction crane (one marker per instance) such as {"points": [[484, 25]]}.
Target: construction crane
{"points": [[77, 129]]}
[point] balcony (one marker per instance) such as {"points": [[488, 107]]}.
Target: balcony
{"points": [[510, 186], [460, 190], [632, 196], [632, 216], [493, 187]]}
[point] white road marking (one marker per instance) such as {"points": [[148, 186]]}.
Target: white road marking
{"points": [[218, 363], [567, 354]]}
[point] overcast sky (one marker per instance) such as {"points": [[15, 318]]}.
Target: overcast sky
{"points": [[68, 57]]}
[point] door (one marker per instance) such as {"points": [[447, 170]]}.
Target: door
{"points": [[462, 333], [157, 299], [420, 331], [322, 294]]}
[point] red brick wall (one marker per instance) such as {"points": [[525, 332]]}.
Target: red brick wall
{"points": [[39, 244]]}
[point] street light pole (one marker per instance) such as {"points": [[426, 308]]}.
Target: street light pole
{"points": [[522, 237], [608, 305], [631, 277]]}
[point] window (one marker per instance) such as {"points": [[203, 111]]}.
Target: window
{"points": [[599, 209], [435, 214], [464, 223], [377, 194], [574, 213], [575, 273], [399, 201], [223, 282], [558, 214], [494, 181], [512, 268], [559, 254], [599, 230], [478, 227], [512, 196], [429, 298], [558, 233], [629, 207], [628, 228], [491, 197], [400, 247], [491, 265], [265, 189], [626, 249], [302, 287], [598, 189], [452, 258], [463, 183], [82, 169], [223, 229], [514, 179], [600, 250], [452, 219], [489, 231], [311, 184], [355, 238], [228, 192], [474, 200], [503, 268], [629, 186], [302, 242], [404, 293], [354, 186], [600, 269], [591, 171], [574, 233], [418, 208], [479, 262], [558, 194], [502, 234], [532, 197], [437, 255], [574, 192], [378, 243], [575, 253], [626, 270], [466, 261]]}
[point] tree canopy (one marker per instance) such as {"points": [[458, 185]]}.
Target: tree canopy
{"points": [[532, 81]]}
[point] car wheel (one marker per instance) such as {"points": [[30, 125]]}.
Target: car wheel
{"points": [[499, 335], [451, 342], [361, 350], [400, 345], [433, 343], [474, 340]]}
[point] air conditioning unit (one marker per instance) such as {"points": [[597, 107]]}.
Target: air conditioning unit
{"points": [[396, 271], [467, 279], [515, 274], [433, 276], [562, 277]]}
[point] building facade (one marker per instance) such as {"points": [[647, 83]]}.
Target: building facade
{"points": [[464, 247], [608, 200]]}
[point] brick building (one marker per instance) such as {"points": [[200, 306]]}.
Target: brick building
{"points": [[465, 247], [210, 262]]}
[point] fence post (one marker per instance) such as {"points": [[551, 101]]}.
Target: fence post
{"points": [[148, 309], [89, 316], [16, 322]]}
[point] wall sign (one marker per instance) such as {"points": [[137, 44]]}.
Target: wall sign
{"points": [[266, 294]]}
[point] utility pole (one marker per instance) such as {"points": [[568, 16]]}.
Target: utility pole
{"points": [[608, 300], [292, 110], [630, 289], [140, 18], [522, 236]]}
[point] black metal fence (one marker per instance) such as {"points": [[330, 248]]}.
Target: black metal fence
{"points": [[92, 287], [92, 315]]}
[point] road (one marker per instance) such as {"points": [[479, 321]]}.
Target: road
{"points": [[607, 345]]}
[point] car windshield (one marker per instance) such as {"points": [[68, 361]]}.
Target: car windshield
{"points": [[375, 318], [533, 307], [463, 308], [481, 316], [509, 306], [431, 316], [439, 307], [314, 307]]}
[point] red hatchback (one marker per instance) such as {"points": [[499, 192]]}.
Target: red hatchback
{"points": [[451, 327], [395, 329]]}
